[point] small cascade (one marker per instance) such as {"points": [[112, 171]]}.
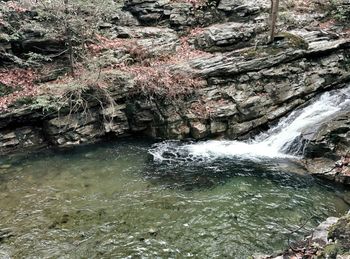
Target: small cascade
{"points": [[281, 141]]}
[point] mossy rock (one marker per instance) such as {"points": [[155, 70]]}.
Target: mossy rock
{"points": [[340, 233], [26, 100], [4, 38], [331, 251], [261, 51], [293, 40], [5, 89]]}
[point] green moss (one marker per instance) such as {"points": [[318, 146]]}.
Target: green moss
{"points": [[340, 233], [331, 250], [46, 104], [5, 90], [250, 53], [294, 41], [339, 11], [23, 101], [4, 37]]}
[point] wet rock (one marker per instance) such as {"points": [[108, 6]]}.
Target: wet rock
{"points": [[176, 130], [330, 139], [328, 148], [198, 130], [152, 232], [218, 127], [5, 233]]}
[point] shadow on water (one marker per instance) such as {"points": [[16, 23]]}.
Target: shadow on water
{"points": [[201, 175]]}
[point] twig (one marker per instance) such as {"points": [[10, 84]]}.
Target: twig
{"points": [[296, 230]]}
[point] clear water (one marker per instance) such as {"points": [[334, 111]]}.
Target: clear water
{"points": [[113, 201]]}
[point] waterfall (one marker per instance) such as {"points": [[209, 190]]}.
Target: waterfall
{"points": [[281, 141]]}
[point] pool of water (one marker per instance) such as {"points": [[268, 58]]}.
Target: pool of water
{"points": [[112, 201]]}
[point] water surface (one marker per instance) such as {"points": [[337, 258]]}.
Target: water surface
{"points": [[113, 201]]}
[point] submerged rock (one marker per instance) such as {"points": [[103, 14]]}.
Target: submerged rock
{"points": [[330, 239]]}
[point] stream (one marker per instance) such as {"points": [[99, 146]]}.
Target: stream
{"points": [[112, 201], [134, 198]]}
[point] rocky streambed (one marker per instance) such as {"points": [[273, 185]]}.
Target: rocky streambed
{"points": [[111, 200]]}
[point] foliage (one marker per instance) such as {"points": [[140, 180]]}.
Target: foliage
{"points": [[36, 59], [22, 101], [153, 75], [331, 250], [5, 90], [77, 22], [15, 79], [340, 12], [337, 9]]}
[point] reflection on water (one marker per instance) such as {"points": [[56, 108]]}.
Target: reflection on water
{"points": [[112, 201]]}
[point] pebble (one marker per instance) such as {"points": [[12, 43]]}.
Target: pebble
{"points": [[5, 166]]}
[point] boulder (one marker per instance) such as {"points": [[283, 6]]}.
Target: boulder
{"points": [[243, 8], [198, 130], [330, 139], [114, 119], [177, 15], [328, 149], [74, 129], [228, 36], [124, 18], [22, 138]]}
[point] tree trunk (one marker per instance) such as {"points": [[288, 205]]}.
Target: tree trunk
{"points": [[273, 18], [69, 36]]}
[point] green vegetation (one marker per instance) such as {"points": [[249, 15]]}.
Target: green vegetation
{"points": [[5, 90], [26, 100], [294, 40], [339, 11]]}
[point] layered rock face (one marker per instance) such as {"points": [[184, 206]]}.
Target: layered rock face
{"points": [[243, 94], [246, 94]]}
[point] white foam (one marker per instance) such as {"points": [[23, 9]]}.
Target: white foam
{"points": [[275, 143]]}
